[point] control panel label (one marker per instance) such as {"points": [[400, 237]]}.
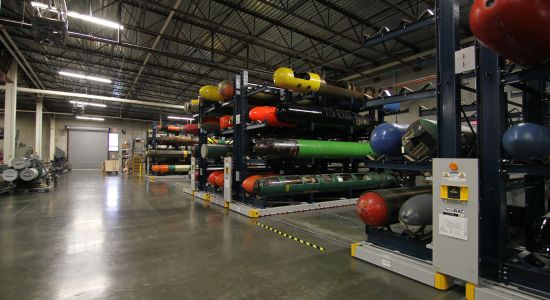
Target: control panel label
{"points": [[453, 224], [454, 177]]}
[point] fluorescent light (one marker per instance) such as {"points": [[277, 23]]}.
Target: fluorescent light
{"points": [[82, 17], [95, 20], [92, 78], [88, 103], [39, 4], [90, 118], [306, 110], [180, 118]]}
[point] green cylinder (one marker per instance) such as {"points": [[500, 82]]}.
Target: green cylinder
{"points": [[215, 150], [291, 148], [308, 184], [179, 168], [170, 168], [182, 154]]}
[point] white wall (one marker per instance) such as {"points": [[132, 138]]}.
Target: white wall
{"points": [[25, 124]]}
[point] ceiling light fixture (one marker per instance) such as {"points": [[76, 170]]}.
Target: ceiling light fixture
{"points": [[95, 20], [82, 17], [180, 118], [39, 4], [92, 78], [88, 103], [89, 118]]}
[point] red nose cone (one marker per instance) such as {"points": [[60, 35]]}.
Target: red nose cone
{"points": [[262, 113], [191, 128], [213, 176], [219, 180], [225, 121], [248, 183], [516, 29], [372, 209]]}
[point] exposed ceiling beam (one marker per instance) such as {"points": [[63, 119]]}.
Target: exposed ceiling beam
{"points": [[95, 97], [211, 26], [190, 59], [154, 46]]}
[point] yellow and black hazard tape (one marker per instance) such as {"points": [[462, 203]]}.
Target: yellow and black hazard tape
{"points": [[291, 237]]}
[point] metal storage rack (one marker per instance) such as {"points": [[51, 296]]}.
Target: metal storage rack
{"points": [[497, 261], [208, 109], [152, 144], [499, 268], [242, 128], [412, 259]]}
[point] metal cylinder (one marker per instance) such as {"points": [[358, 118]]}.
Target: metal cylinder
{"points": [[291, 148], [170, 168], [169, 153], [226, 122], [171, 128], [267, 113], [308, 184], [312, 83], [420, 139], [187, 128], [10, 174], [215, 150], [385, 139], [527, 141], [178, 140], [210, 124], [191, 128], [248, 183], [227, 90], [321, 116], [213, 178], [417, 211], [29, 174], [541, 235], [381, 207], [191, 106], [513, 29], [20, 163], [210, 93]]}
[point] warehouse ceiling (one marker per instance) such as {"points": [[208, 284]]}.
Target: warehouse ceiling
{"points": [[169, 49]]}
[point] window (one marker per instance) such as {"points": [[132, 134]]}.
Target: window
{"points": [[327, 178], [293, 180], [310, 179], [113, 141]]}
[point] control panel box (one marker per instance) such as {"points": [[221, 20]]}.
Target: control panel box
{"points": [[193, 170], [227, 178], [456, 218]]}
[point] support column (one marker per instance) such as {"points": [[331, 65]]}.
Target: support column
{"points": [[52, 137], [10, 109], [448, 91], [38, 127]]}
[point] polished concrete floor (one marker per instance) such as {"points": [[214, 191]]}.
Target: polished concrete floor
{"points": [[103, 237]]}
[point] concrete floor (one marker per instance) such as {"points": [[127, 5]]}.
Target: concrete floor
{"points": [[96, 237]]}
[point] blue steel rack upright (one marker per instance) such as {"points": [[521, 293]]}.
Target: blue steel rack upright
{"points": [[240, 134], [496, 263], [203, 139]]}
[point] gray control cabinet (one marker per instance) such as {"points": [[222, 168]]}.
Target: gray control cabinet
{"points": [[456, 218], [193, 170], [227, 179]]}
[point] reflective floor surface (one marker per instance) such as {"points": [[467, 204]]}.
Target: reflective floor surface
{"points": [[109, 237]]}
